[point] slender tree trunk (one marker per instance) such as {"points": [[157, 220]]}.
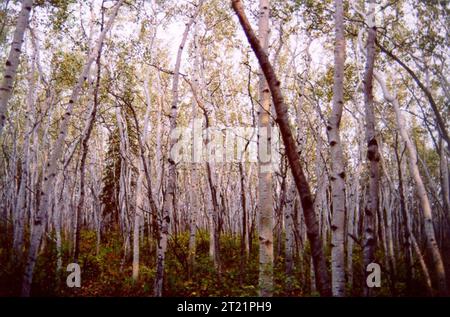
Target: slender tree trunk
{"points": [[168, 203], [282, 120], [158, 162], [352, 227], [12, 62], [372, 205], [124, 183], [265, 201], [85, 150], [21, 205], [139, 185], [423, 265], [212, 203], [420, 189], [290, 234], [337, 160], [194, 207], [404, 213], [196, 155], [57, 223], [439, 120], [244, 248], [213, 210], [388, 215], [54, 157]]}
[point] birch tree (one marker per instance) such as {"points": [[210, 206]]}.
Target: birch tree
{"points": [[85, 148], [159, 169], [265, 201], [12, 62], [322, 277], [21, 204], [432, 245], [139, 190], [168, 203], [373, 155], [54, 157], [337, 160]]}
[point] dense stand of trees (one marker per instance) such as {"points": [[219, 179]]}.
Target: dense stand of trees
{"points": [[225, 147]]}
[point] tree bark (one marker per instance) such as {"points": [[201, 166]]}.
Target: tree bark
{"points": [[193, 197], [265, 201], [337, 160], [404, 213], [423, 266], [290, 222], [282, 120], [13, 60], [243, 200], [373, 155], [139, 185], [21, 205]]}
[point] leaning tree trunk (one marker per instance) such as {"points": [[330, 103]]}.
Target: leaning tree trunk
{"points": [[420, 188], [322, 278], [54, 157], [265, 200], [423, 265], [13, 60], [169, 198], [439, 120], [337, 161]]}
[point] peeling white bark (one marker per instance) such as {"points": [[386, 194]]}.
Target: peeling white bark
{"points": [[12, 62]]}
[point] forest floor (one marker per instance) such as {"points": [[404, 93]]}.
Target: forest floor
{"points": [[108, 272]]}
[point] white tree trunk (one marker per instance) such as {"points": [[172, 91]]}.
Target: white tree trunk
{"points": [[265, 200], [420, 189], [21, 205], [139, 195], [57, 222], [54, 157], [289, 215], [193, 198], [124, 183], [13, 60], [168, 203], [337, 160], [373, 155]]}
